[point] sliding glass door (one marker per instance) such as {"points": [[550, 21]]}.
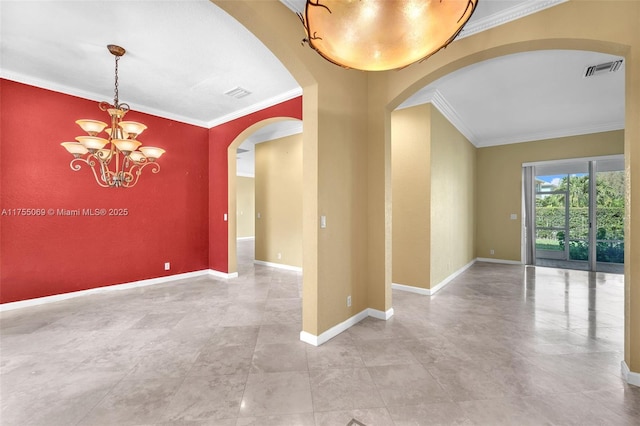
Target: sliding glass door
{"points": [[551, 213], [609, 216], [577, 214]]}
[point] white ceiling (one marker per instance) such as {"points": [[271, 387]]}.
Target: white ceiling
{"points": [[183, 55], [529, 96]]}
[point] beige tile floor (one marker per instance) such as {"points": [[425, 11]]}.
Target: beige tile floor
{"points": [[500, 345]]}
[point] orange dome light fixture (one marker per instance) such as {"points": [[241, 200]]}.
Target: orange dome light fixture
{"points": [[117, 159], [379, 35]]}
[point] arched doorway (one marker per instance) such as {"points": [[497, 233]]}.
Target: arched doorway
{"points": [[278, 233]]}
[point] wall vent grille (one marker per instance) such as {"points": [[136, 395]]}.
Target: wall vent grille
{"points": [[600, 69]]}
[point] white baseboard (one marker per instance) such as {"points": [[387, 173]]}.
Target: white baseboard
{"points": [[344, 325], [490, 260], [433, 290], [219, 274], [629, 376], [278, 265], [411, 289], [333, 331], [245, 238], [381, 315], [116, 287], [451, 277]]}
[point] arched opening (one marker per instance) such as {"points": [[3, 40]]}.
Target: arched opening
{"points": [[283, 200], [472, 104], [623, 138]]}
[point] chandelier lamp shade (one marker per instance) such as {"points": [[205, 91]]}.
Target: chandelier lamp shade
{"points": [[115, 157], [379, 35]]}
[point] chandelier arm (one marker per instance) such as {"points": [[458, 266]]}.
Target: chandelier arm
{"points": [[134, 174], [127, 168], [124, 178], [106, 175], [107, 159], [155, 167], [104, 106], [76, 164]]}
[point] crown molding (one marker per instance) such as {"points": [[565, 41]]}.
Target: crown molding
{"points": [[92, 96], [552, 134], [291, 94], [507, 15], [437, 99], [450, 113]]}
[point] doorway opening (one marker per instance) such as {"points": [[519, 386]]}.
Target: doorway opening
{"points": [[575, 214], [267, 196]]}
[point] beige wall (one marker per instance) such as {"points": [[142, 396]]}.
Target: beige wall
{"points": [[278, 201], [411, 177], [433, 181], [453, 165], [336, 155], [499, 177], [245, 207], [632, 179]]}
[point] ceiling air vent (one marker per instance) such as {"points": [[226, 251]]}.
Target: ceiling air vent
{"points": [[600, 69], [238, 93]]}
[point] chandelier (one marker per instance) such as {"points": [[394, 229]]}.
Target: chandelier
{"points": [[378, 35], [118, 158]]}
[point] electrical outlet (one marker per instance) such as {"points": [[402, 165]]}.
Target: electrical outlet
{"points": [[348, 301], [167, 266], [279, 255], [492, 251]]}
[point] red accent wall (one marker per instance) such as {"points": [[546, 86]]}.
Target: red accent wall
{"points": [[220, 137], [175, 216], [167, 213]]}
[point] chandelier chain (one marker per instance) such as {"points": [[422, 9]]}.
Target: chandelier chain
{"points": [[115, 99]]}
